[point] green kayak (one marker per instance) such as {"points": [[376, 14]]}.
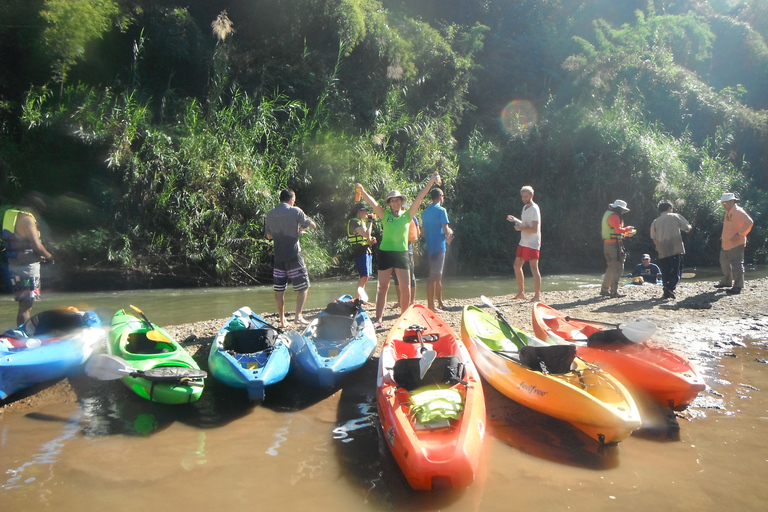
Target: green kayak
{"points": [[145, 346]]}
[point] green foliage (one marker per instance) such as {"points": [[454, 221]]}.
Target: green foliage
{"points": [[72, 25]]}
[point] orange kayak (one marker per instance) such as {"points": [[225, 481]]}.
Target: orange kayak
{"points": [[558, 384], [434, 426], [663, 374]]}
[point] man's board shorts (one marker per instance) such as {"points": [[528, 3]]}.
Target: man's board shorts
{"points": [[527, 253], [25, 280], [293, 270], [393, 259], [436, 263], [364, 264]]}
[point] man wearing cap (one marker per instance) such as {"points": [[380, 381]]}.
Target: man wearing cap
{"points": [[284, 224], [25, 252], [359, 236], [647, 271], [665, 233], [614, 232], [736, 226]]}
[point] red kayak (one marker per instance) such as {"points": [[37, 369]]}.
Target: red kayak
{"points": [[666, 376], [431, 402]]}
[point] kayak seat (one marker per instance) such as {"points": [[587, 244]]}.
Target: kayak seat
{"points": [[138, 343], [427, 338], [249, 341], [548, 359], [609, 338], [333, 327], [53, 322], [445, 371]]}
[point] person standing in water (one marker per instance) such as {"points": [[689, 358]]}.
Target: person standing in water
{"points": [[25, 252], [393, 249]]}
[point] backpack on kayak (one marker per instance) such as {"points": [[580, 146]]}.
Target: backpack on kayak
{"points": [[445, 371]]}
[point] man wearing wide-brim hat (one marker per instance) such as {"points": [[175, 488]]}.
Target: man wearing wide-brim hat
{"points": [[614, 232], [736, 226]]}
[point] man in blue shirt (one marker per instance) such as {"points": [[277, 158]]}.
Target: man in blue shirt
{"points": [[650, 272], [437, 232]]}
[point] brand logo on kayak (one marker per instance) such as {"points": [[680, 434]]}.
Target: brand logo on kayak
{"points": [[391, 436], [531, 389]]}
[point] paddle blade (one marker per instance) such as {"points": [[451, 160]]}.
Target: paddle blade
{"points": [[174, 374], [639, 331], [425, 362], [361, 293], [107, 367], [485, 300]]}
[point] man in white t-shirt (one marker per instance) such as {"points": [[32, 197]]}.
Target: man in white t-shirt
{"points": [[529, 226]]}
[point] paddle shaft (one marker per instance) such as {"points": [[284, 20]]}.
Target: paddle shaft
{"points": [[568, 318], [487, 301]]}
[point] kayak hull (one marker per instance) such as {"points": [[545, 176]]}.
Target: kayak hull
{"points": [[586, 397], [248, 368], [128, 340], [29, 358], [664, 375], [331, 347], [431, 456]]}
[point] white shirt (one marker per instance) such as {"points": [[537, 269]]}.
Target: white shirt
{"points": [[531, 214]]}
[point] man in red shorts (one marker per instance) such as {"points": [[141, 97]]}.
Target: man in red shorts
{"points": [[529, 226]]}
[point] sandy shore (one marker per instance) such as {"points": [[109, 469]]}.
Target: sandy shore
{"points": [[703, 323]]}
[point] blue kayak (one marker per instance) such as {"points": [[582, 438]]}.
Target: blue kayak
{"points": [[248, 353], [51, 345], [337, 342]]}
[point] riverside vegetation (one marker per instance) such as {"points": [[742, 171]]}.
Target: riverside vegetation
{"points": [[162, 131]]}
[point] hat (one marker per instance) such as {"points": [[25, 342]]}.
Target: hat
{"points": [[619, 204], [394, 193], [646, 256], [359, 206], [728, 196]]}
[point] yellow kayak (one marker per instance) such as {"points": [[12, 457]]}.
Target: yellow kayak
{"points": [[547, 377]]}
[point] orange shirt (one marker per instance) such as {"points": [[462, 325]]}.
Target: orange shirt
{"points": [[737, 223]]}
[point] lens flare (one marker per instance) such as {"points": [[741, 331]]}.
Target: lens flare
{"points": [[519, 117]]}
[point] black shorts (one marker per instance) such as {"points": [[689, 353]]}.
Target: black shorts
{"points": [[393, 259]]}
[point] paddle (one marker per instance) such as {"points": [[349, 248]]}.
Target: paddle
{"points": [[488, 303], [152, 334], [636, 331], [109, 367], [427, 356]]}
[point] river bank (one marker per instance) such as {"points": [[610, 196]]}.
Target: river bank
{"points": [[703, 323]]}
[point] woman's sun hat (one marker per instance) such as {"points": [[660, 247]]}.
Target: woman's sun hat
{"points": [[393, 194]]}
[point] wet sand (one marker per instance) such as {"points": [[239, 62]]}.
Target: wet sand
{"points": [[703, 323]]}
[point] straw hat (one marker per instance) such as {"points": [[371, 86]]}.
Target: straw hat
{"points": [[394, 193]]}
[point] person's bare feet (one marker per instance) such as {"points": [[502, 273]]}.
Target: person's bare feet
{"points": [[536, 299], [519, 296], [300, 320], [284, 323]]}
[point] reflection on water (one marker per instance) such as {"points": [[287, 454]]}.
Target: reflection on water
{"points": [[324, 451]]}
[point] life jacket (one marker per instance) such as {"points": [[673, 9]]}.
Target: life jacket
{"points": [[608, 232], [354, 237], [413, 230], [17, 247]]}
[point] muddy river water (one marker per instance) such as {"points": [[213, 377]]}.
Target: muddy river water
{"points": [[111, 450]]}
